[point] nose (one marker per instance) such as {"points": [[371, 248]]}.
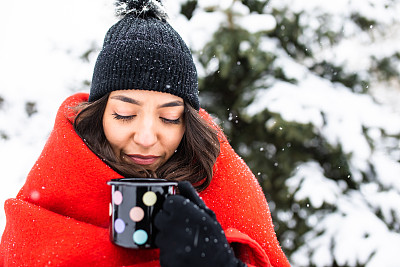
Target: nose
{"points": [[145, 134]]}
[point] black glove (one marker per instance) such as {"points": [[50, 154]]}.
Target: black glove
{"points": [[190, 234]]}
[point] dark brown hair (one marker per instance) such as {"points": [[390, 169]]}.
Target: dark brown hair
{"points": [[193, 161]]}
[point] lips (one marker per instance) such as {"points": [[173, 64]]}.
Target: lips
{"points": [[143, 159]]}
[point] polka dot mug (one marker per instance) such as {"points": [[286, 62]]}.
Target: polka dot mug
{"points": [[134, 204]]}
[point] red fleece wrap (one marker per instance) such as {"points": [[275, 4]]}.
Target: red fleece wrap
{"points": [[60, 217]]}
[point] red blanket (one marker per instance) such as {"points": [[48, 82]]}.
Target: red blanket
{"points": [[60, 216]]}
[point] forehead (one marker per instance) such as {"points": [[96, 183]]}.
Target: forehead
{"points": [[145, 95]]}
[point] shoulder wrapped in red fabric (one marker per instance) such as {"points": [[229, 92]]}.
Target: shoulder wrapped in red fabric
{"points": [[60, 216]]}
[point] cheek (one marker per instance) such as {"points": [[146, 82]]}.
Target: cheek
{"points": [[174, 139], [110, 131]]}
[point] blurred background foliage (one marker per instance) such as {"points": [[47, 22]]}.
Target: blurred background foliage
{"points": [[272, 146]]}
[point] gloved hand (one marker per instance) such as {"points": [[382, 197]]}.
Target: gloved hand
{"points": [[190, 234]]}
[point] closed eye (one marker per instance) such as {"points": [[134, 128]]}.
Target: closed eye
{"points": [[177, 121], [123, 118]]}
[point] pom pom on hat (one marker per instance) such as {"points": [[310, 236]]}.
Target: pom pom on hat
{"points": [[141, 8], [142, 51]]}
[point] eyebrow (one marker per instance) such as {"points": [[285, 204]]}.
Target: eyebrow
{"points": [[176, 103], [126, 99]]}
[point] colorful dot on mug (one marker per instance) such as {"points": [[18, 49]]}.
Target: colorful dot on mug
{"points": [[149, 198], [119, 226], [136, 214], [117, 197], [140, 237]]}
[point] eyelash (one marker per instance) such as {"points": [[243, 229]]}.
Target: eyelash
{"points": [[177, 121], [127, 118], [123, 118]]}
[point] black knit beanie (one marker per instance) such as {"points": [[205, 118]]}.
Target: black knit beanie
{"points": [[142, 51]]}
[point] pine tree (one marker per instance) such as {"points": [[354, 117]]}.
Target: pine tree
{"points": [[320, 165]]}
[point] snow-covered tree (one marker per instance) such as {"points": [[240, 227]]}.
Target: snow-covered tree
{"points": [[299, 87]]}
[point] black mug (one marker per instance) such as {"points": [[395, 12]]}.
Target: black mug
{"points": [[134, 204]]}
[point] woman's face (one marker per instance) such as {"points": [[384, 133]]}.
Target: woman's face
{"points": [[144, 127]]}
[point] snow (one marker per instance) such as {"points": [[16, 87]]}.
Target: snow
{"points": [[387, 169], [354, 233], [42, 43], [39, 55], [330, 108], [310, 176]]}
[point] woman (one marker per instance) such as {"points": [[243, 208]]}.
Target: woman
{"points": [[141, 119], [164, 128]]}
